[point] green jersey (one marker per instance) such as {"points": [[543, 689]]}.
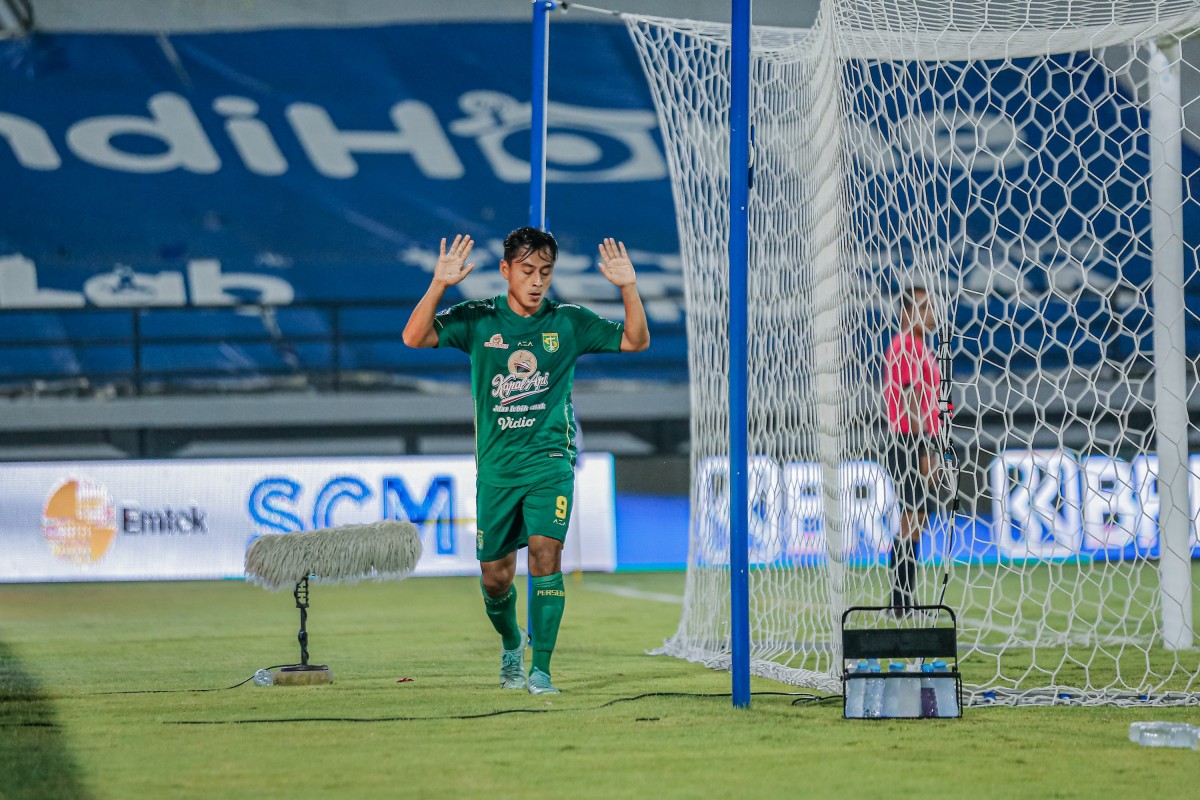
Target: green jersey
{"points": [[522, 370]]}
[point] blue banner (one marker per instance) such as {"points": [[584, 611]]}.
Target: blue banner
{"points": [[323, 165], [1042, 166], [299, 165], [321, 157], [1047, 505]]}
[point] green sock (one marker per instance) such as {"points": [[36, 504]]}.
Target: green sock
{"points": [[546, 610], [502, 611]]}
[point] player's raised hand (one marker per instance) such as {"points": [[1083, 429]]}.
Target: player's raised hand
{"points": [[615, 264], [451, 264]]}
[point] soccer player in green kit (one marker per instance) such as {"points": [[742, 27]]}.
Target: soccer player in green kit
{"points": [[523, 347]]}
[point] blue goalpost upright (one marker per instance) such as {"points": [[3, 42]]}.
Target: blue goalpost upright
{"points": [[537, 112], [738, 248], [739, 500], [537, 157]]}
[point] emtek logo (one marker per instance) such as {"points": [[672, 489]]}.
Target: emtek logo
{"points": [[164, 521], [79, 521]]}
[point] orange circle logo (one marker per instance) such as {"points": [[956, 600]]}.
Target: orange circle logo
{"points": [[522, 363], [79, 521]]}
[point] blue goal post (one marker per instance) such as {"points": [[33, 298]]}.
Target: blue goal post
{"points": [[739, 195], [739, 252], [537, 169]]}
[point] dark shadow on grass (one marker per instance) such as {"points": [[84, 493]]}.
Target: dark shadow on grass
{"points": [[34, 760]]}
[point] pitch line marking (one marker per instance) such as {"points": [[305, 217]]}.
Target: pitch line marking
{"points": [[636, 594]]}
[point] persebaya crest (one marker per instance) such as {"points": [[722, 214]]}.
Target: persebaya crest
{"points": [[550, 342]]}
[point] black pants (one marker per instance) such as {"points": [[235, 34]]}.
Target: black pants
{"points": [[902, 563], [905, 456]]}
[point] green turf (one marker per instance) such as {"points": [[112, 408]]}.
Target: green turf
{"points": [[62, 646]]}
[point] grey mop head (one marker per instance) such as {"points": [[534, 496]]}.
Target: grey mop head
{"points": [[383, 550]]}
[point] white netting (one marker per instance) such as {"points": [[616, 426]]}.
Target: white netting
{"points": [[999, 155]]}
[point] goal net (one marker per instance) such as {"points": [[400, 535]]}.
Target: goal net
{"points": [[983, 206]]}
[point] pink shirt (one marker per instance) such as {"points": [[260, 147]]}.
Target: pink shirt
{"points": [[909, 362]]}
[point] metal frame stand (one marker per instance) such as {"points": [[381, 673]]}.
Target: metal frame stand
{"points": [[303, 673]]}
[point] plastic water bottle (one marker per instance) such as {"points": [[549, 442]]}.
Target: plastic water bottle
{"points": [[854, 690], [910, 692], [263, 678], [947, 696], [1165, 734], [929, 705], [893, 691], [901, 693], [873, 693]]}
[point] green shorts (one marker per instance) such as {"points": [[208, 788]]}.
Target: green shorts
{"points": [[509, 515]]}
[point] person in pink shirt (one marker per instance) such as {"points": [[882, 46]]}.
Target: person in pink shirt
{"points": [[910, 391]]}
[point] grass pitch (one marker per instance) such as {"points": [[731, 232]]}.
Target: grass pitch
{"points": [[66, 651]]}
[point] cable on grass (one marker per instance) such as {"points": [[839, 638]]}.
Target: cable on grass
{"points": [[800, 696], [182, 691]]}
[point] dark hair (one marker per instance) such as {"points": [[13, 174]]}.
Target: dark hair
{"points": [[523, 241], [908, 299]]}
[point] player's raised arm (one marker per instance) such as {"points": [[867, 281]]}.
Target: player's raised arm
{"points": [[616, 266], [450, 269]]}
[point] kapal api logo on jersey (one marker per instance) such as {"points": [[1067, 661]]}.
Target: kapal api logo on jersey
{"points": [[522, 363], [550, 342], [523, 380], [496, 341]]}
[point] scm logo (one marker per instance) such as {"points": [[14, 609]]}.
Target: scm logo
{"points": [[280, 504]]}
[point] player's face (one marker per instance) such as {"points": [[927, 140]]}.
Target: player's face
{"points": [[528, 279]]}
